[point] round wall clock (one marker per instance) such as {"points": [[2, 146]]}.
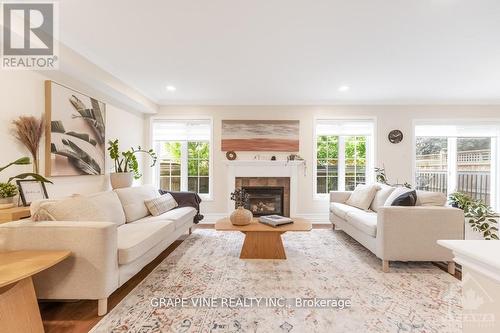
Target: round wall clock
{"points": [[395, 136], [231, 155]]}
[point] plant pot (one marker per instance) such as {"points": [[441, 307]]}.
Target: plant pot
{"points": [[121, 179], [7, 203], [241, 216]]}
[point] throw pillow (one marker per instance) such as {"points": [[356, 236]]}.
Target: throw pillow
{"points": [[109, 205], [395, 194], [160, 205], [406, 199], [362, 196], [132, 199], [71, 209], [37, 211], [381, 196]]}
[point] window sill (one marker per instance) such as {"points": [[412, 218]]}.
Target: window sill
{"points": [[321, 197], [206, 197]]}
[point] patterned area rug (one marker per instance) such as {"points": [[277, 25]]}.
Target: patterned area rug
{"points": [[322, 264]]}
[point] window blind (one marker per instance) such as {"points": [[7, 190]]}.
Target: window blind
{"points": [[344, 127], [182, 130], [459, 129]]}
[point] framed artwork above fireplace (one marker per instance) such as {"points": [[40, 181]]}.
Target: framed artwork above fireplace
{"points": [[260, 135]]}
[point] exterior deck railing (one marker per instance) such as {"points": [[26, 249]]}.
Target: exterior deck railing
{"points": [[476, 184]]}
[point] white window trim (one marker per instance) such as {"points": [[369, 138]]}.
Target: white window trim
{"points": [[340, 167], [495, 155], [204, 197], [370, 155]]}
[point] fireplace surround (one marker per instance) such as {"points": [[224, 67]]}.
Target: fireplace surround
{"points": [[266, 173]]}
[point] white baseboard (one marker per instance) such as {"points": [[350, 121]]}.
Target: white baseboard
{"points": [[211, 218], [316, 218]]}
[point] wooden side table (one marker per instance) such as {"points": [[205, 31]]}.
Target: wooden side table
{"points": [[19, 310], [14, 214]]}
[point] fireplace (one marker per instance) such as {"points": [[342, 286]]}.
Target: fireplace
{"points": [[273, 191], [265, 200]]}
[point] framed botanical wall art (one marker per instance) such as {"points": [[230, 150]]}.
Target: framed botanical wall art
{"points": [[75, 133], [260, 135]]}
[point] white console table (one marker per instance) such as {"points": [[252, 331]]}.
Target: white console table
{"points": [[480, 262]]}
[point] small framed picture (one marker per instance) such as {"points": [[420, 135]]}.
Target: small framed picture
{"points": [[31, 190]]}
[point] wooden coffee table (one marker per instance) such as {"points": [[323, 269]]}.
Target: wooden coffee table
{"points": [[263, 241]]}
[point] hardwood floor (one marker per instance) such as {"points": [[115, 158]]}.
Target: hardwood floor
{"points": [[81, 316]]}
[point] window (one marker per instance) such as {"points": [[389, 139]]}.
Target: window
{"points": [[460, 157], [183, 148], [343, 154]]}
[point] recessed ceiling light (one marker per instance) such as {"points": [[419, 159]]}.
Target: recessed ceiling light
{"points": [[171, 88], [344, 88]]}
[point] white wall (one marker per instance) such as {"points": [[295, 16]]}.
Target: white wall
{"points": [[22, 93], [397, 158]]}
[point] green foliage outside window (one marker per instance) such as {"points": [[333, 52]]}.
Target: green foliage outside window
{"points": [[173, 150], [198, 164], [327, 151]]}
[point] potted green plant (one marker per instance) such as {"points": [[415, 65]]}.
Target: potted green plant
{"points": [[481, 220], [7, 193], [8, 190], [381, 178], [240, 216], [459, 200], [126, 165]]}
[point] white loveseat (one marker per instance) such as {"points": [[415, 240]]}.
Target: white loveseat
{"points": [[104, 254], [400, 233]]}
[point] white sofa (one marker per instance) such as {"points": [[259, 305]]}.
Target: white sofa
{"points": [[400, 233], [104, 254]]}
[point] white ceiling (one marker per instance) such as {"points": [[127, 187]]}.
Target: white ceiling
{"points": [[293, 51]]}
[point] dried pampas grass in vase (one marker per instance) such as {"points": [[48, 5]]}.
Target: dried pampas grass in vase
{"points": [[29, 131]]}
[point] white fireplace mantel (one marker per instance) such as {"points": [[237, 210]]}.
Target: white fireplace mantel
{"points": [[259, 168]]}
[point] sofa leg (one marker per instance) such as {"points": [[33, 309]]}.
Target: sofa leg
{"points": [[190, 231], [451, 267], [333, 226], [385, 266], [102, 306]]}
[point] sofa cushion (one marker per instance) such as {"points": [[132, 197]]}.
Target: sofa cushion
{"points": [[162, 204], [134, 240], [110, 206], [180, 216], [341, 210], [362, 196], [132, 199], [425, 198], [381, 196], [363, 221]]}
